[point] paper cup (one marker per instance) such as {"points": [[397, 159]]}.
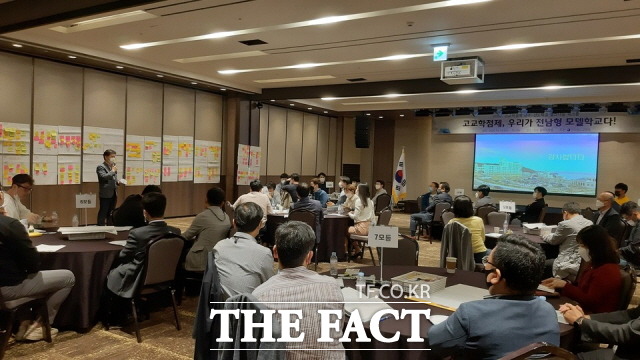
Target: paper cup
{"points": [[451, 264]]}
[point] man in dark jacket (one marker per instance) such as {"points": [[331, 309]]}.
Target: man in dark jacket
{"points": [[20, 276], [122, 280], [533, 210], [607, 216], [130, 212]]}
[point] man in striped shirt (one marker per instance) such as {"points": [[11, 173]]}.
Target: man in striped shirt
{"points": [[297, 288]]}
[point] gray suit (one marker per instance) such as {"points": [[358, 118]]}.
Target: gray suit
{"points": [[123, 279], [620, 328], [568, 261], [208, 227], [108, 183]]}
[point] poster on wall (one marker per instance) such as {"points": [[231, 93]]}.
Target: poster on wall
{"points": [[170, 147], [243, 162], [152, 171], [169, 170], [185, 147], [89, 165], [15, 138], [185, 170], [68, 169], [69, 140], [216, 151], [153, 149], [134, 172], [96, 140], [134, 147], [206, 173], [14, 165], [45, 140], [255, 156], [45, 169]]}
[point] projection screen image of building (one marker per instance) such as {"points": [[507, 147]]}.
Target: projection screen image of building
{"points": [[565, 164]]}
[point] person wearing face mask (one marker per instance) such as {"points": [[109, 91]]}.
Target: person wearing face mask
{"points": [[621, 193], [427, 199], [532, 212], [607, 216], [283, 181], [566, 265], [599, 286], [344, 181], [379, 190], [514, 269], [108, 183], [322, 177], [482, 196], [350, 202], [630, 249]]}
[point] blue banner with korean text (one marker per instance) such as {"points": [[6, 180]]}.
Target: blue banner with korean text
{"points": [[538, 123]]}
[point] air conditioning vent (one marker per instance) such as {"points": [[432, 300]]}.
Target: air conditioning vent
{"points": [[253, 42]]}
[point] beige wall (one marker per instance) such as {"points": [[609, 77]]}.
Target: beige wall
{"points": [[434, 157]]}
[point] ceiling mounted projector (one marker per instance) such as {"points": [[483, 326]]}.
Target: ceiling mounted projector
{"points": [[469, 70]]}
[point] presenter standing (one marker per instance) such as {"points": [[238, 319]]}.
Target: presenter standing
{"points": [[108, 183]]}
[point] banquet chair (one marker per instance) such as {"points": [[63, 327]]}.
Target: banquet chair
{"points": [[447, 216], [382, 202], [539, 350], [628, 286], [436, 222], [8, 311], [231, 213], [384, 218], [543, 213], [309, 218], [496, 219], [407, 253], [588, 213], [484, 210], [456, 242], [160, 265]]}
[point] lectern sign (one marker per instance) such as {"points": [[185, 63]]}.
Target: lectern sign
{"points": [[383, 236]]}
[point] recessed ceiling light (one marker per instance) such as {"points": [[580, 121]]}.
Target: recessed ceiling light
{"points": [[223, 89], [272, 100], [304, 66], [380, 117], [292, 104], [401, 115], [119, 67], [71, 57], [160, 76], [328, 98], [326, 112], [309, 108], [17, 45], [470, 91], [368, 114], [194, 83], [392, 95]]}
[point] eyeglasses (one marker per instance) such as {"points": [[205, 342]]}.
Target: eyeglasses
{"points": [[26, 188], [485, 261]]}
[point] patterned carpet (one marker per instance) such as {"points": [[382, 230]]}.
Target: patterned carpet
{"points": [[160, 338]]}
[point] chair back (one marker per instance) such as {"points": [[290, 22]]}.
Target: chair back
{"points": [[306, 217], [484, 210], [534, 351], [618, 231], [627, 231], [496, 218], [628, 286], [439, 209], [420, 207], [385, 217], [456, 242], [162, 259], [406, 254], [543, 213], [228, 208], [588, 213], [447, 216], [382, 202]]}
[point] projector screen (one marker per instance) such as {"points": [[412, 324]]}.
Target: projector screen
{"points": [[564, 164]]}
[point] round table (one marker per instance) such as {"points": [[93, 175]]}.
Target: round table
{"points": [[550, 251], [90, 262], [389, 327], [332, 238]]}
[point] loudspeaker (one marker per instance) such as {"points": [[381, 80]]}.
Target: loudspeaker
{"points": [[362, 132]]}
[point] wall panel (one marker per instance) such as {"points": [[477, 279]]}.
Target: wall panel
{"points": [[104, 99], [295, 141], [264, 139], [276, 143], [16, 80], [322, 153], [310, 144], [333, 135]]}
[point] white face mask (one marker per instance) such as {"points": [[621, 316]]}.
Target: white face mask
{"points": [[430, 188], [283, 181], [112, 160], [322, 180], [534, 196], [378, 187], [476, 194], [599, 204], [584, 253]]}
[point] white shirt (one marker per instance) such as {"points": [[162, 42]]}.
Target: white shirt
{"points": [[14, 207], [259, 198], [362, 213]]}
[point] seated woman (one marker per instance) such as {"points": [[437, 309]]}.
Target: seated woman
{"points": [[362, 215], [350, 203], [130, 211], [599, 286], [463, 211]]}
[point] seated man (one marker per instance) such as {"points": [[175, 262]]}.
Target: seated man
{"points": [[256, 196], [242, 263], [130, 212], [427, 199], [21, 187], [533, 210], [607, 216], [323, 177], [206, 230], [295, 287], [342, 184], [630, 249], [302, 191], [621, 193], [512, 317], [621, 328], [442, 196], [482, 194], [379, 190], [566, 265], [290, 188], [284, 180], [318, 193], [19, 265], [121, 280]]}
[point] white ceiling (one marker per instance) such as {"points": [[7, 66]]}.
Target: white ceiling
{"points": [[591, 32]]}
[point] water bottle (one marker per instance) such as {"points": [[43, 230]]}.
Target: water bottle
{"points": [[54, 218], [74, 221], [340, 210], [333, 262], [360, 283], [505, 226]]}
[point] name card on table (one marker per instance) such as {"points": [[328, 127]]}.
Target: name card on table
{"points": [[329, 184], [383, 236], [508, 206], [458, 192], [85, 201]]}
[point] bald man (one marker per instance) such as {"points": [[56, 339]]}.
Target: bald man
{"points": [[607, 216]]}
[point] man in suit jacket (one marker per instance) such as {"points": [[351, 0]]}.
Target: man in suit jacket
{"points": [[533, 210], [442, 196], [607, 216], [305, 203], [108, 184], [123, 279]]}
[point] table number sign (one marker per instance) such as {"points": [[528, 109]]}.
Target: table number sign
{"points": [[508, 206], [383, 236], [85, 201]]}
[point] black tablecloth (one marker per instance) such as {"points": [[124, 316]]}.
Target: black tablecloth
{"points": [[550, 251], [390, 326], [333, 237], [90, 261]]}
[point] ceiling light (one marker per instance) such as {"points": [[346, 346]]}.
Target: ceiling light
{"points": [[72, 57], [105, 21], [368, 114], [551, 87], [292, 104], [514, 46], [309, 108], [17, 45], [304, 66], [392, 95], [160, 76], [399, 57], [326, 112], [194, 83], [302, 78], [219, 35], [380, 117], [272, 100], [469, 91], [401, 115], [223, 89], [228, 72], [328, 98], [238, 55], [328, 20], [119, 67]]}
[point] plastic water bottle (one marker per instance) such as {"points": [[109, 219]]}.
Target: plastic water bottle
{"points": [[340, 210], [74, 221], [360, 283], [505, 226], [54, 218], [333, 262]]}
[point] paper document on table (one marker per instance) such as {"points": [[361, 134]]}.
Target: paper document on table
{"points": [[561, 319], [49, 248], [118, 242], [546, 289], [493, 235], [367, 307], [437, 319], [123, 228], [87, 229], [453, 296]]}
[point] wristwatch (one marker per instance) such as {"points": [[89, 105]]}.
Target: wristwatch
{"points": [[578, 321]]}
